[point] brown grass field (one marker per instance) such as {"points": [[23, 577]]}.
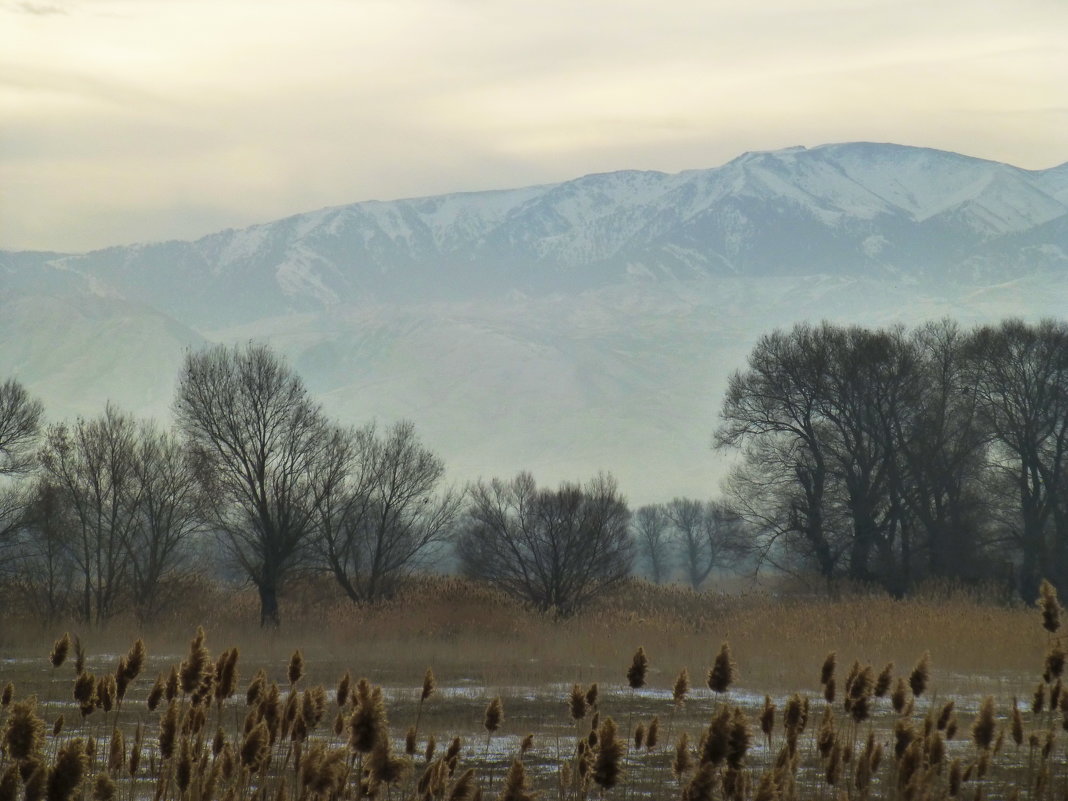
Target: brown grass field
{"points": [[482, 646]]}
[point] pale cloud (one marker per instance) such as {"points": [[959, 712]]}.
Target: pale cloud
{"points": [[145, 119]]}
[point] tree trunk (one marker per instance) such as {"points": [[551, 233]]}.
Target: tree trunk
{"points": [[269, 617]]}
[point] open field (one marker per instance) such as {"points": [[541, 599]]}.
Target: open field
{"points": [[481, 646]]}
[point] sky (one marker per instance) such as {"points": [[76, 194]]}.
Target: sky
{"points": [[142, 120]]}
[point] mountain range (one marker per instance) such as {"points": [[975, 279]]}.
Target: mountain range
{"points": [[566, 328]]}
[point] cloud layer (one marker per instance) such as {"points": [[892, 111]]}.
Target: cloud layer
{"points": [[130, 120]]}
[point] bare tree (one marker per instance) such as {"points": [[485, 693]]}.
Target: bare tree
{"points": [[1020, 375], [379, 512], [20, 422], [43, 571], [555, 549], [170, 512], [91, 463], [707, 535], [652, 534], [259, 440]]}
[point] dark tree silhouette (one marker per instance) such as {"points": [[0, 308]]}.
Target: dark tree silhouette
{"points": [[555, 549], [379, 512], [259, 441]]}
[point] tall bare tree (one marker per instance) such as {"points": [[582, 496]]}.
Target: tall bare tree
{"points": [[380, 511], [555, 549], [1020, 374], [91, 463], [259, 440]]}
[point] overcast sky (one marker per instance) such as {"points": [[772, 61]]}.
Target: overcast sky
{"points": [[135, 120]]}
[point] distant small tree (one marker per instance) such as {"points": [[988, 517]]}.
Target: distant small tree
{"points": [[652, 536], [43, 571], [555, 549], [707, 535]]}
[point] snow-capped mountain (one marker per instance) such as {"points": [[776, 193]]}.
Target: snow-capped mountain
{"points": [[563, 328]]}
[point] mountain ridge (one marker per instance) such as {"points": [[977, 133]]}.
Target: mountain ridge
{"points": [[564, 328]]}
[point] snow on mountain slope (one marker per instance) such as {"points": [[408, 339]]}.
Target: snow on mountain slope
{"points": [[847, 209], [565, 329]]}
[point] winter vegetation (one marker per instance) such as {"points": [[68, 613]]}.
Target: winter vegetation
{"points": [[868, 457]]}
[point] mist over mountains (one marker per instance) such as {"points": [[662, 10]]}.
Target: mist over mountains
{"points": [[565, 329]]}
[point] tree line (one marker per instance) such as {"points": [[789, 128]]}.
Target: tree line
{"points": [[890, 456], [879, 456]]}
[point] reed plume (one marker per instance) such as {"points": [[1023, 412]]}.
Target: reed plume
{"points": [[255, 748], [577, 703], [609, 751], [7, 694], [515, 785], [717, 738], [1038, 700], [116, 752], [681, 687], [368, 722], [639, 666], [721, 674], [494, 715], [429, 685], [737, 739], [702, 786], [24, 731], [682, 760], [295, 671], [920, 674], [168, 731], [591, 696], [256, 688], [9, 784], [827, 669], [196, 663], [226, 675], [884, 680], [155, 695], [1049, 606], [984, 725], [68, 772], [342, 694], [652, 734], [104, 788], [639, 736], [60, 649], [463, 789], [385, 768]]}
